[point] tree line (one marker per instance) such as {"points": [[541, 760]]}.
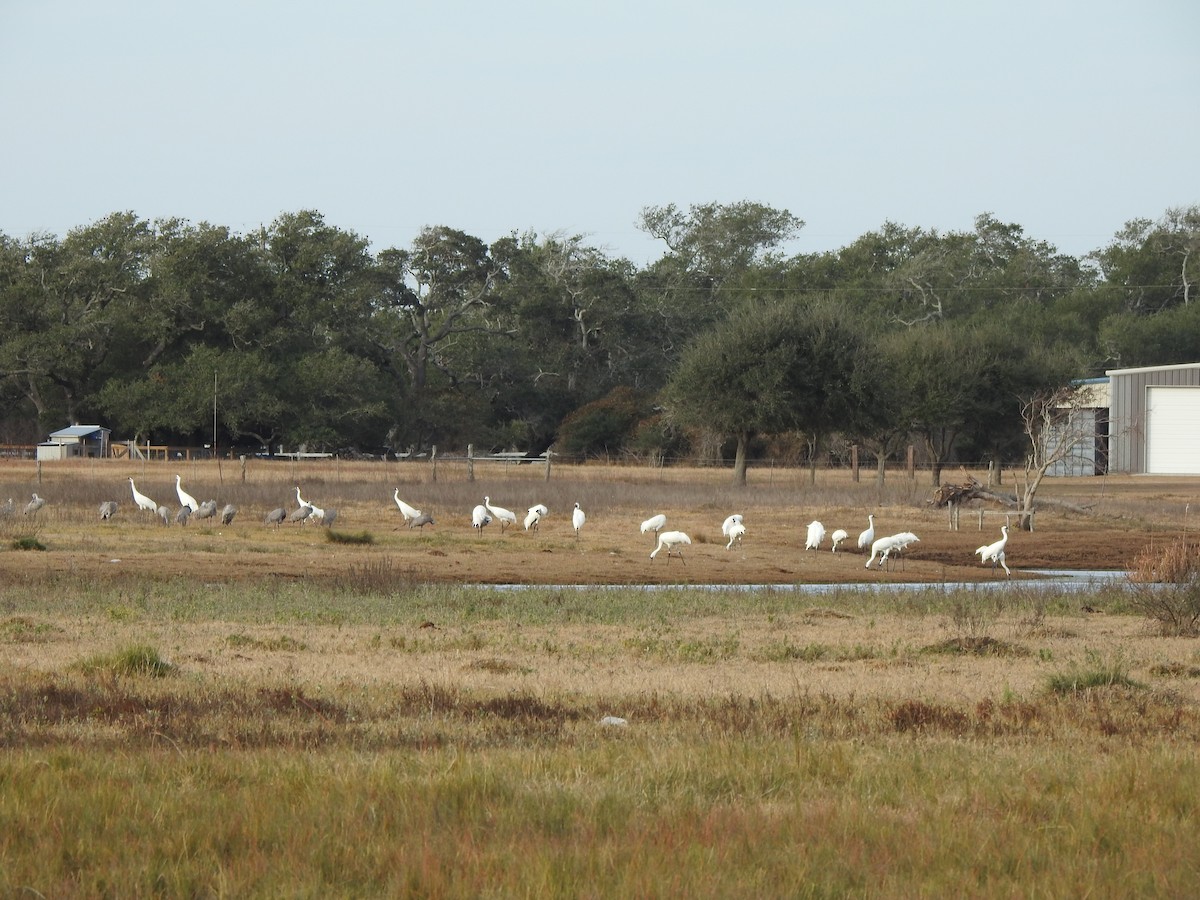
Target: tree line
{"points": [[725, 346]]}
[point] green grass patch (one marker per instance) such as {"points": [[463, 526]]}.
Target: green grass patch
{"points": [[345, 537], [977, 646], [27, 542], [1095, 673], [25, 630], [279, 642], [140, 660]]}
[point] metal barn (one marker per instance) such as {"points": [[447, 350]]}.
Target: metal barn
{"points": [[1084, 431], [1154, 420]]}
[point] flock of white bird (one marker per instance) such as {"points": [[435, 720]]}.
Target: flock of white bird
{"points": [[888, 548]]}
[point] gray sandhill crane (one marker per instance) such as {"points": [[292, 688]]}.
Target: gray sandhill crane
{"points": [[275, 517], [227, 513], [34, 505], [108, 509]]}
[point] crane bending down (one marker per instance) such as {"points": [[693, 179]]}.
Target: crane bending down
{"points": [[577, 519], [886, 546], [409, 512], [730, 521], [816, 534], [736, 532], [185, 499], [143, 502], [533, 516], [867, 538], [654, 524], [504, 516], [837, 537], [994, 553], [671, 540]]}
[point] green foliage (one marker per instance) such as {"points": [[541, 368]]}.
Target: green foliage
{"points": [[27, 542], [605, 425], [303, 335]]}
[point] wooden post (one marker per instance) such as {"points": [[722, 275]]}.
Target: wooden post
{"points": [[242, 459], [470, 462], [854, 462], [981, 520], [547, 465], [912, 462], [433, 462], [39, 472]]}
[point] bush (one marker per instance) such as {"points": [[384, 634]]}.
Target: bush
{"points": [[604, 425], [1165, 584]]}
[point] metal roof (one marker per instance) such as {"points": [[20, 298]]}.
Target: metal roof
{"points": [[78, 431]]}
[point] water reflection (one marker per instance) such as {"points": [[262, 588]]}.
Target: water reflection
{"points": [[1066, 580]]}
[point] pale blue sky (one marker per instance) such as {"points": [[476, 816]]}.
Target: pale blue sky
{"points": [[1068, 118]]}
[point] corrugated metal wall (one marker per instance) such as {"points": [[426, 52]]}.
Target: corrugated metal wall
{"points": [[1127, 420]]}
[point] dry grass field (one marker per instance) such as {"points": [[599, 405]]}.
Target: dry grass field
{"points": [[371, 710]]}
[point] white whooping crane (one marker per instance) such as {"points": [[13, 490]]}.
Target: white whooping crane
{"points": [[504, 516], [655, 524], [409, 512], [994, 553], [480, 518], [736, 532], [884, 547], [867, 538], [671, 540], [577, 519], [533, 516], [730, 521], [816, 534], [185, 499], [315, 513], [837, 537], [143, 502]]}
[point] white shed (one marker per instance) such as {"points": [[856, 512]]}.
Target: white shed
{"points": [[75, 441]]}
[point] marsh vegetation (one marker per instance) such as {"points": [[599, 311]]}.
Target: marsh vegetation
{"points": [[250, 711]]}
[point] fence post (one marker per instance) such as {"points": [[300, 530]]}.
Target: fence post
{"points": [[854, 461], [912, 462], [433, 461], [243, 461], [547, 465], [470, 462]]}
